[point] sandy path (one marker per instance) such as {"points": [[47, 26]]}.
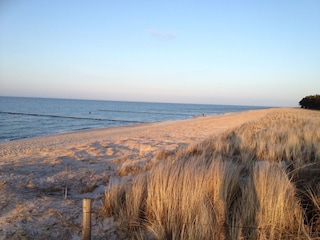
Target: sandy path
{"points": [[43, 180]]}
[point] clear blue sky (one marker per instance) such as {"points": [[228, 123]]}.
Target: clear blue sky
{"points": [[215, 52]]}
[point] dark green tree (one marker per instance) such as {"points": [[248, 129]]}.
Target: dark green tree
{"points": [[310, 102]]}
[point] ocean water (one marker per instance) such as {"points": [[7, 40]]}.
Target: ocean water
{"points": [[22, 118]]}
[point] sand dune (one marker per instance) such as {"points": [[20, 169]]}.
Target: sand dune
{"points": [[43, 180]]}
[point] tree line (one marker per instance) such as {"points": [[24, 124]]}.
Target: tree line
{"points": [[310, 102]]}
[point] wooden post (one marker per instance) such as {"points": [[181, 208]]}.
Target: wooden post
{"points": [[86, 219]]}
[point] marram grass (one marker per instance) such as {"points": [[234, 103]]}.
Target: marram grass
{"points": [[259, 181]]}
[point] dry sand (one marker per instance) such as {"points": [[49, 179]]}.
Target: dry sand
{"points": [[43, 180]]}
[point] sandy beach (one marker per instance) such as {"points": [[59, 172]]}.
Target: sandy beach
{"points": [[43, 180]]}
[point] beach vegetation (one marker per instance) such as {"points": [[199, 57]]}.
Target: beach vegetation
{"points": [[258, 181]]}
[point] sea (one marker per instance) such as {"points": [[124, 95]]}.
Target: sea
{"points": [[22, 118]]}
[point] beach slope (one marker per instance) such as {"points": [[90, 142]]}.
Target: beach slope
{"points": [[43, 180]]}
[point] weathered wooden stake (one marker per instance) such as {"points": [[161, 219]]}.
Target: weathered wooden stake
{"points": [[86, 219]]}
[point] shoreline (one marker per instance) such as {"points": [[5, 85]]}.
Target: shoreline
{"points": [[71, 132], [99, 134], [86, 115], [111, 127]]}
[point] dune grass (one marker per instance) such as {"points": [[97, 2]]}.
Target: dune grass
{"points": [[259, 181]]}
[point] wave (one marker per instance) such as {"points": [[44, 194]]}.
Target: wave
{"points": [[70, 117]]}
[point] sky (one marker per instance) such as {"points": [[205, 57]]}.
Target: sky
{"points": [[264, 53]]}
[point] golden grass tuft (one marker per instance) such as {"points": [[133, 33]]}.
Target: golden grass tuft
{"points": [[278, 213], [244, 184]]}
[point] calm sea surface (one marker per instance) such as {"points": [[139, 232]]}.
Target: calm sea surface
{"points": [[32, 117]]}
